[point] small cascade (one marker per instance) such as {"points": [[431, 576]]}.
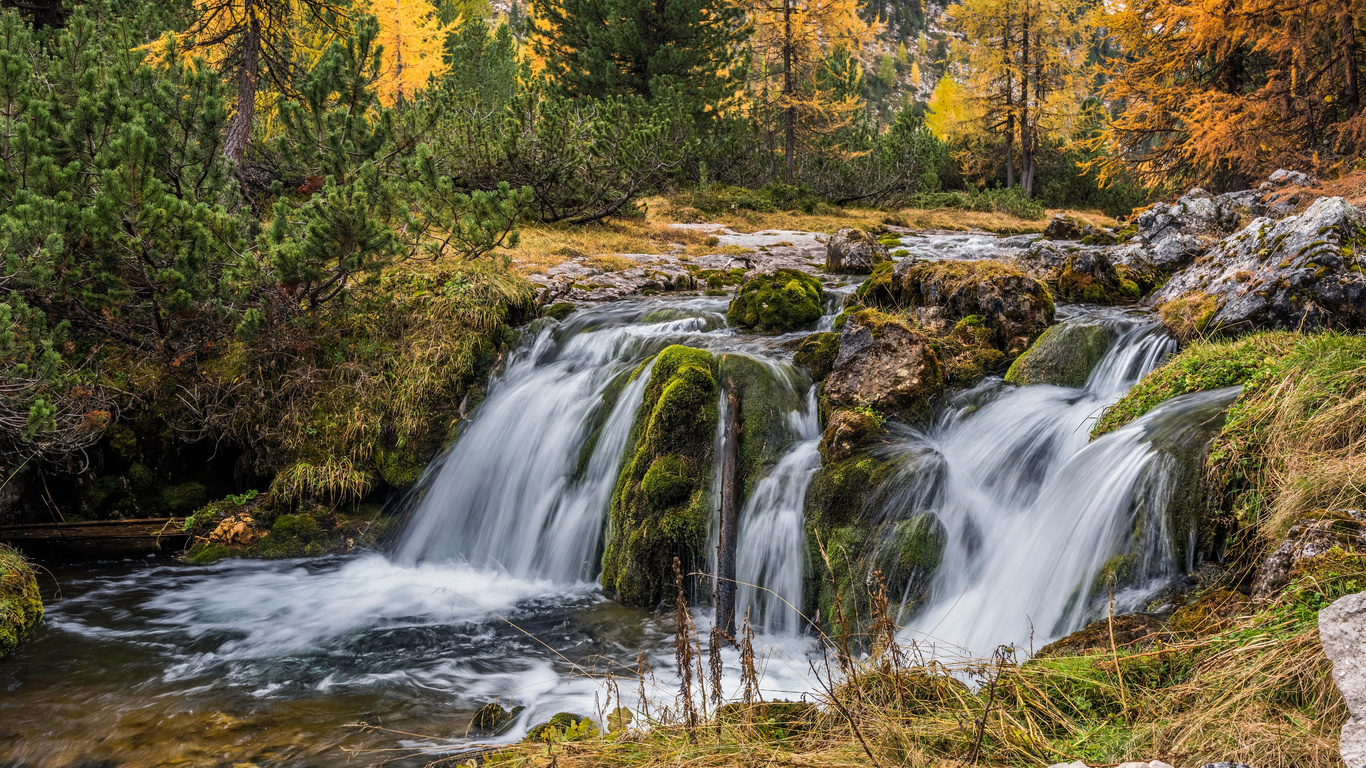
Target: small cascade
{"points": [[1031, 509], [510, 493], [771, 555]]}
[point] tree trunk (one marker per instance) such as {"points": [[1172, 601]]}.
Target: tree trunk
{"points": [[1026, 133], [1010, 105], [789, 89], [1351, 95], [730, 501], [239, 128]]}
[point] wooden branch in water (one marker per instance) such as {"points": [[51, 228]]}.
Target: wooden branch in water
{"points": [[730, 493]]}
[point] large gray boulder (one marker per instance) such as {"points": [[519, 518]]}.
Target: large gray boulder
{"points": [[1063, 356], [1342, 630], [1170, 235], [885, 365], [1302, 272], [853, 252]]}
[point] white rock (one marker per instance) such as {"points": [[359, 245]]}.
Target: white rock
{"points": [[1077, 764], [1159, 764], [1342, 629], [1139, 764]]}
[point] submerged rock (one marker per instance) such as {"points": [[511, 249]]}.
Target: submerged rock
{"points": [[885, 365], [1342, 629], [1301, 273], [662, 500], [781, 301], [1064, 355], [493, 718], [21, 605], [853, 252]]}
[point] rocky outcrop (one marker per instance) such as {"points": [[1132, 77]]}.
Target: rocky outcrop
{"points": [[1062, 227], [853, 252], [1087, 276], [1012, 307], [1064, 355], [885, 365], [1307, 539], [1302, 272], [776, 302], [1342, 629], [21, 606], [816, 354]]}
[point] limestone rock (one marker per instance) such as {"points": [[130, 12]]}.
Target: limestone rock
{"points": [[885, 365], [1285, 178], [1088, 276], [1302, 272], [1342, 629], [1061, 227], [1310, 538], [854, 252]]}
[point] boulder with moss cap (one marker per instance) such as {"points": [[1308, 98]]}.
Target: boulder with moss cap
{"points": [[853, 252], [777, 302], [885, 365]]}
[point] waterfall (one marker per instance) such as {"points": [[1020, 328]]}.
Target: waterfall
{"points": [[1032, 510], [509, 494], [771, 553]]}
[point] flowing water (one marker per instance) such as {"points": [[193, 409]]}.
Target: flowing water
{"points": [[489, 593]]}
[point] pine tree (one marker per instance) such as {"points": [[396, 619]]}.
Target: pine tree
{"points": [[644, 48]]}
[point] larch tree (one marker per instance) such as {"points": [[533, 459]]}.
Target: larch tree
{"points": [[252, 43], [606, 48], [798, 89], [413, 39], [1219, 93], [1021, 61]]}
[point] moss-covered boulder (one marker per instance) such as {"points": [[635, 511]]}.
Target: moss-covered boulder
{"points": [[777, 302], [21, 605], [853, 252], [908, 555], [768, 394], [886, 365], [1087, 276], [1064, 355], [816, 354], [493, 718], [1013, 307], [660, 507]]}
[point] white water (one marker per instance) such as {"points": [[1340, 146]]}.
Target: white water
{"points": [[1032, 509], [770, 557]]}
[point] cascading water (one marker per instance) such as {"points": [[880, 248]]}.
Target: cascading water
{"points": [[1031, 512], [771, 550]]}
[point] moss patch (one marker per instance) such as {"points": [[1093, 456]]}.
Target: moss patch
{"points": [[661, 504], [786, 300], [21, 605], [1064, 355], [816, 354]]}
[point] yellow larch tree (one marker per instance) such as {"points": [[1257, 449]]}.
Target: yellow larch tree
{"points": [[414, 40]]}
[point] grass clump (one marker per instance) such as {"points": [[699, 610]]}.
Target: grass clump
{"points": [[21, 605]]}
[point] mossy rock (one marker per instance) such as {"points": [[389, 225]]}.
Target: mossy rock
{"points": [[661, 504], [563, 726], [912, 552], [1089, 277], [1063, 356], [184, 497], [559, 310], [784, 300], [767, 394], [493, 718], [21, 604], [1209, 613], [1132, 631], [816, 354]]}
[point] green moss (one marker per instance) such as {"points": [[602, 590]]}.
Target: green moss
{"points": [[785, 300], [184, 497], [141, 478], [559, 310], [563, 726], [655, 520], [492, 718], [1199, 367], [1064, 356], [204, 553], [817, 354], [399, 467], [21, 605]]}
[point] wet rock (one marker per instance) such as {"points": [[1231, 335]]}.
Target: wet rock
{"points": [[816, 353], [493, 718], [777, 302], [1088, 276], [846, 433], [1063, 356], [1062, 227], [910, 553], [885, 365], [1302, 272], [1132, 630], [21, 605], [1013, 307], [1342, 629], [854, 252], [1310, 538]]}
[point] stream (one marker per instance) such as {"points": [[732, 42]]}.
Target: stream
{"points": [[489, 593]]}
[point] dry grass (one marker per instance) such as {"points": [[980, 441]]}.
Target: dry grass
{"points": [[543, 246]]}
